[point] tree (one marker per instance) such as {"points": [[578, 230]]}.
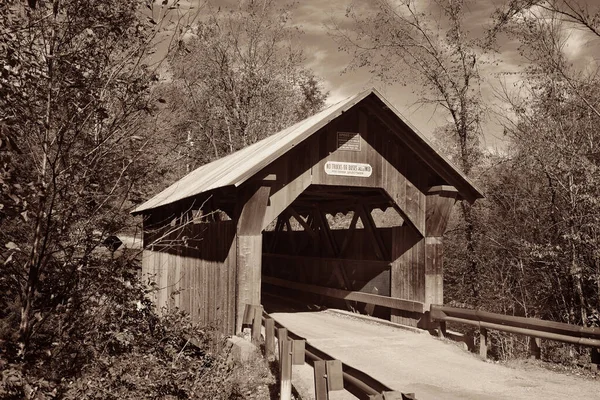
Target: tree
{"points": [[238, 78], [400, 43], [74, 92], [553, 130]]}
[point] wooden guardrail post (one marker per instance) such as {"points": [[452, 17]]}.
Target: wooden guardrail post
{"points": [[269, 336], [298, 347], [285, 362], [483, 343], [282, 336], [256, 323], [595, 359], [329, 377], [321, 392], [535, 350], [335, 375]]}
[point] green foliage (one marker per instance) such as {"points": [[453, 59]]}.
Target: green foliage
{"points": [[538, 227], [73, 92], [127, 352], [237, 77]]}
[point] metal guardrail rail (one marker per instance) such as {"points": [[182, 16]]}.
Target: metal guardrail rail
{"points": [[356, 382], [360, 384], [535, 327]]}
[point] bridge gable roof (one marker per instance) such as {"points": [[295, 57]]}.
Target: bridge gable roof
{"points": [[235, 169]]}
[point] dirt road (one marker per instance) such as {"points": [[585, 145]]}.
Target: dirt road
{"points": [[420, 363]]}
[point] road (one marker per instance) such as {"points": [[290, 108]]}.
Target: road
{"points": [[429, 367]]}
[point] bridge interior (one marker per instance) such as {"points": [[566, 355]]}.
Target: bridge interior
{"points": [[334, 236]]}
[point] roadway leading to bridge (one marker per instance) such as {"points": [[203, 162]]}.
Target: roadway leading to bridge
{"points": [[431, 368]]}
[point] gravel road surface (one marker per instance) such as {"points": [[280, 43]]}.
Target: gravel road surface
{"points": [[425, 365]]}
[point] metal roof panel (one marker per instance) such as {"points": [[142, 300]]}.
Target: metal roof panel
{"points": [[236, 168]]}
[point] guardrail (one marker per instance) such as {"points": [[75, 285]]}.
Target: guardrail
{"points": [[437, 316], [329, 374], [533, 327], [375, 299]]}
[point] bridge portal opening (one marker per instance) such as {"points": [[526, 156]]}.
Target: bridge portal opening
{"points": [[332, 237]]}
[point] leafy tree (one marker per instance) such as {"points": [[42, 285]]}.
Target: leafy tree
{"points": [[238, 77], [555, 148], [406, 40], [74, 92]]}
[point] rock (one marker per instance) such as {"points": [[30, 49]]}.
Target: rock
{"points": [[242, 350]]}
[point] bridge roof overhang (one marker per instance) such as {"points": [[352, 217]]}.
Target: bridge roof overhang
{"points": [[234, 170]]}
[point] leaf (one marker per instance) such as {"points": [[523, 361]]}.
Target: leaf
{"points": [[14, 198], [24, 215], [11, 246], [9, 259]]}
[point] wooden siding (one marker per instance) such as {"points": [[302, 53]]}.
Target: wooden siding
{"points": [[194, 269], [400, 174], [407, 270], [292, 176], [394, 168]]}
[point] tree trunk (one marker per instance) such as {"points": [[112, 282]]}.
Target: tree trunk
{"points": [[576, 274], [471, 257]]}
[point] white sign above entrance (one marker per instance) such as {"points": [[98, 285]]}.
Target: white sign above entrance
{"points": [[349, 141], [348, 169]]}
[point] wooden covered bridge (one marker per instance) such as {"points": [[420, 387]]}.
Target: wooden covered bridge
{"points": [[274, 213]]}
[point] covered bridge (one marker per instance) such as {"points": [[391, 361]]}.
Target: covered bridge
{"points": [[273, 213]]}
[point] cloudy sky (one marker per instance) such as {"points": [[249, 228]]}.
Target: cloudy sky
{"points": [[322, 55]]}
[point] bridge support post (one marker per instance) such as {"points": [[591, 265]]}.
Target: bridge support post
{"points": [[252, 205], [595, 359], [483, 343], [439, 203], [535, 350]]}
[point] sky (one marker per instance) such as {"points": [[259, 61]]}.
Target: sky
{"points": [[313, 17]]}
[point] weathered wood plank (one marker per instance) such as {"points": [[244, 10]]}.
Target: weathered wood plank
{"points": [[440, 201], [252, 203], [407, 271], [269, 337], [320, 372], [293, 176], [335, 375], [384, 301]]}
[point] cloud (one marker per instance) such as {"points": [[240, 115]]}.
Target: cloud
{"points": [[313, 17], [575, 41]]}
